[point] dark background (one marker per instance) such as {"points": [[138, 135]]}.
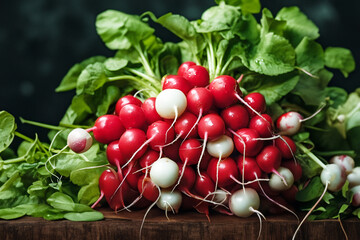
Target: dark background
{"points": [[41, 39]]}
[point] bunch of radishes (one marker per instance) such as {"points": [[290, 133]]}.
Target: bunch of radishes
{"points": [[198, 144]]}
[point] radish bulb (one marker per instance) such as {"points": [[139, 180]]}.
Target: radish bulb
{"points": [[164, 172], [79, 140]]}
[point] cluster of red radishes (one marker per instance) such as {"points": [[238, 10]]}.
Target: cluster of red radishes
{"points": [[198, 144]]}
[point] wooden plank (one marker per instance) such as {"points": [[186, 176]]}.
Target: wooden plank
{"points": [[186, 225]]}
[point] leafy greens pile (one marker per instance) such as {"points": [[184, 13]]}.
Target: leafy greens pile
{"points": [[278, 57]]}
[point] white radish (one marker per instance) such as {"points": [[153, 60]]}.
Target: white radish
{"points": [[344, 161], [164, 172], [79, 140], [354, 177], [170, 103], [221, 147], [277, 183], [356, 196], [289, 123], [334, 176], [169, 200], [243, 202]]}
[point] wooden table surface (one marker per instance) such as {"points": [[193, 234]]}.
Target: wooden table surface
{"points": [[185, 225]]}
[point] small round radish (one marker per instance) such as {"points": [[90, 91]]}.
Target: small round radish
{"points": [[277, 184], [79, 140], [170, 103], [132, 116], [286, 146], [224, 89], [243, 202], [269, 159], [211, 126], [169, 200], [176, 82], [220, 196], [186, 125], [114, 155], [263, 124], [184, 67], [190, 151], [247, 142], [204, 185], [148, 188], [164, 172], [107, 128], [354, 177], [132, 142], [355, 201], [188, 179], [149, 157], [159, 133], [235, 117], [108, 182], [289, 123], [197, 75], [334, 176], [344, 161], [294, 167], [221, 147], [257, 102], [149, 110], [248, 168], [128, 99], [199, 101], [223, 172]]}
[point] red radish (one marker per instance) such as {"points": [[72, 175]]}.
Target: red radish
{"points": [[354, 177], [131, 144], [149, 110], [355, 201], [204, 186], [263, 124], [197, 75], [172, 151], [257, 102], [164, 172], [223, 171], [107, 128], [247, 142], [79, 140], [147, 188], [205, 161], [169, 200], [224, 89], [128, 99], [269, 159], [132, 116], [159, 134], [149, 157], [221, 147], [277, 184], [115, 157], [188, 180], [184, 67], [184, 126], [210, 127], [199, 101], [289, 123], [132, 174], [248, 168], [190, 151], [344, 161], [108, 182], [294, 167], [176, 82], [170, 103], [235, 117], [244, 202], [286, 146]]}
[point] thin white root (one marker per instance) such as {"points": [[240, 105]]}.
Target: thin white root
{"points": [[260, 215], [312, 209]]}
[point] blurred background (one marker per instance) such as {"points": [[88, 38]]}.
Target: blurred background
{"points": [[41, 39]]}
